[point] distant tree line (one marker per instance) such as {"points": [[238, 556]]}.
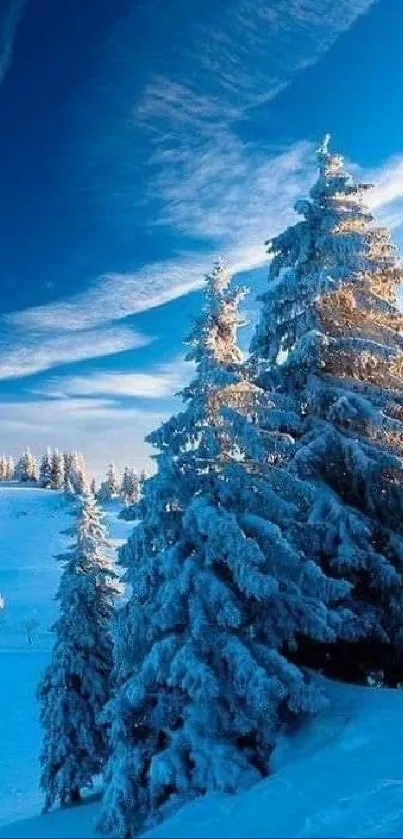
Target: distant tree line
{"points": [[54, 470], [128, 488], [67, 471]]}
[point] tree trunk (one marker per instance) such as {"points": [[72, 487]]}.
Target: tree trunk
{"points": [[75, 796]]}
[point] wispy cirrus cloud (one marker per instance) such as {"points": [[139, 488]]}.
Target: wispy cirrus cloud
{"points": [[9, 23], [204, 181], [34, 353], [115, 296], [160, 382], [386, 198], [257, 206]]}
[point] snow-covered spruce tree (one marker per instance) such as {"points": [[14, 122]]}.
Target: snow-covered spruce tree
{"points": [[34, 468], [68, 489], [67, 458], [10, 468], [3, 467], [221, 588], [27, 468], [57, 472], [130, 493], [112, 480], [77, 682], [331, 337], [45, 469], [78, 473], [104, 494], [130, 486]]}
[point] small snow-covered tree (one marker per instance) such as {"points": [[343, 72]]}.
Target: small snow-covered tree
{"points": [[109, 488], [104, 494], [93, 486], [130, 491], [3, 467], [223, 584], [78, 473], [10, 468], [112, 480], [45, 469], [67, 459], [68, 488], [329, 344], [34, 468], [130, 486], [57, 470], [77, 682], [27, 467]]}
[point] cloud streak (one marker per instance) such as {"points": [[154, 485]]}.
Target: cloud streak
{"points": [[8, 32], [205, 182], [240, 217], [257, 205], [386, 199], [39, 352], [160, 383]]}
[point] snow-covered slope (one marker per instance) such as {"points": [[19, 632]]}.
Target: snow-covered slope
{"points": [[31, 521], [30, 525], [339, 776]]}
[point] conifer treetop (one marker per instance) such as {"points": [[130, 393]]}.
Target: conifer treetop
{"points": [[331, 305], [220, 381], [215, 331]]}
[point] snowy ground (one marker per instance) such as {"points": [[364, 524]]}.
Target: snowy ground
{"points": [[340, 776], [31, 521]]}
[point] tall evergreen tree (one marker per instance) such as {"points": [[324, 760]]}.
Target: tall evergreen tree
{"points": [[45, 469], [222, 587], [78, 473], [77, 682], [329, 344], [57, 473], [67, 458]]}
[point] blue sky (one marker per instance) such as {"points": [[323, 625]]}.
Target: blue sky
{"points": [[139, 140]]}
